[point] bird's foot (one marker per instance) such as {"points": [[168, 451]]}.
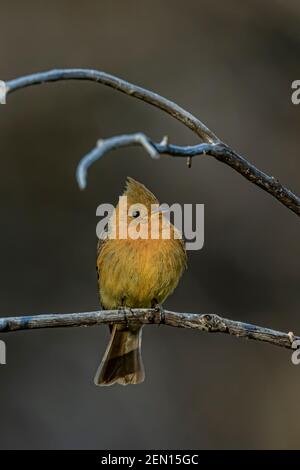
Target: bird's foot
{"points": [[123, 309], [159, 308]]}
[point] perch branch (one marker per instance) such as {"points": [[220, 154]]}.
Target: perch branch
{"points": [[215, 148], [205, 322]]}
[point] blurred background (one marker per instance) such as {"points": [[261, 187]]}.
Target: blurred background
{"points": [[231, 64]]}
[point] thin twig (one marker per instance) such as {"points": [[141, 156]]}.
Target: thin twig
{"points": [[217, 148], [205, 322], [104, 146], [220, 151]]}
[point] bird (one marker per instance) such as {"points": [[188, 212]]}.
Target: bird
{"points": [[135, 273]]}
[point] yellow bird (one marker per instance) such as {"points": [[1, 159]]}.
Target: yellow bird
{"points": [[135, 273]]}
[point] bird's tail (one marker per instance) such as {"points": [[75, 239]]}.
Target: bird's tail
{"points": [[122, 362]]}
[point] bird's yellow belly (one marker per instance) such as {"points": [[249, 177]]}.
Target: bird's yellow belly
{"points": [[139, 275]]}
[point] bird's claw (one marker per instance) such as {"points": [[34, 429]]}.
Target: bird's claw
{"points": [[123, 310], [159, 308]]}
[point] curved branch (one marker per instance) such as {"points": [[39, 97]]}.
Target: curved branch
{"points": [[210, 323], [121, 85], [221, 151]]}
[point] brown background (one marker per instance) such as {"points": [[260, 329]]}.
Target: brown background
{"points": [[229, 63]]}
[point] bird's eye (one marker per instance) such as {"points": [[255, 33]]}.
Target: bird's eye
{"points": [[135, 214]]}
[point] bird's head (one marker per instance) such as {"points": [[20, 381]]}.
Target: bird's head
{"points": [[137, 208]]}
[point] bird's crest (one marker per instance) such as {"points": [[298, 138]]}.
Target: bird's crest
{"points": [[138, 193]]}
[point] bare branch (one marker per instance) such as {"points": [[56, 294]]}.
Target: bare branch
{"points": [[220, 151], [104, 146], [215, 148], [121, 85], [210, 323]]}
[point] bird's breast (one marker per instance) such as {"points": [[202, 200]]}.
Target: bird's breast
{"points": [[134, 273]]}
